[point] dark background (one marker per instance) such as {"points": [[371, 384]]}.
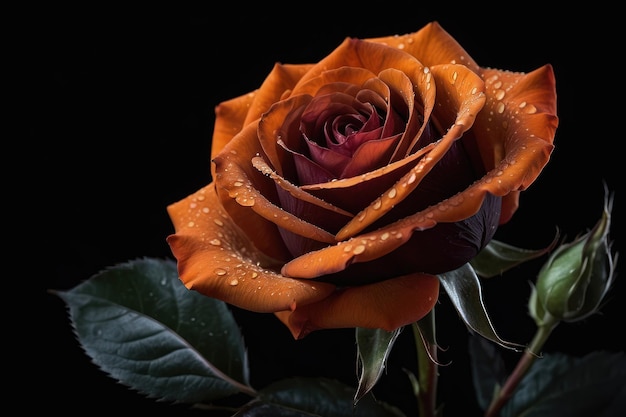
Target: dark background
{"points": [[119, 126]]}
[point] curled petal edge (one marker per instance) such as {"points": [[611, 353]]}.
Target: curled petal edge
{"points": [[384, 305]]}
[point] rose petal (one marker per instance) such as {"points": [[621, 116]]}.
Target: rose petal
{"points": [[229, 119], [514, 100], [364, 188], [293, 190], [217, 260], [385, 305], [275, 87], [431, 45]]}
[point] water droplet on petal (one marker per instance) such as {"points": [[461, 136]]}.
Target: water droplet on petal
{"points": [[359, 249], [245, 201]]}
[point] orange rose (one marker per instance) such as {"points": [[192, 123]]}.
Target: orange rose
{"points": [[340, 189]]}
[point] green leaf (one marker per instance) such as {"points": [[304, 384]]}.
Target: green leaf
{"points": [[498, 257], [317, 397], [463, 287], [374, 346], [488, 369], [143, 327], [558, 385]]}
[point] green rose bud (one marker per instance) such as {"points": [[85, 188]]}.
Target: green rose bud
{"points": [[573, 282]]}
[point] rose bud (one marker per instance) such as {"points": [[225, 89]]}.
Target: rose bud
{"points": [[573, 282], [342, 188]]}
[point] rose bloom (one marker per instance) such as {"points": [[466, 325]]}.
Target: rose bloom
{"points": [[341, 189]]}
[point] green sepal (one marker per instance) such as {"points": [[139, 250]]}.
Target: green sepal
{"points": [[463, 288], [498, 257], [374, 346], [144, 328], [295, 397]]}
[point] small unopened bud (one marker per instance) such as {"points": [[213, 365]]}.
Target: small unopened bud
{"points": [[573, 282]]}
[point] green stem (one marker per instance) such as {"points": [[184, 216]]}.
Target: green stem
{"points": [[531, 353], [428, 368]]}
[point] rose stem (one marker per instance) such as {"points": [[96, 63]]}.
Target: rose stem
{"points": [[524, 364], [428, 368]]}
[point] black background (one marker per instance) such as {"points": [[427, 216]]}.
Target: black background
{"points": [[119, 121]]}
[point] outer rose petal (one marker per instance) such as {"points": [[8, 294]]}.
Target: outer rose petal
{"points": [[431, 45], [232, 115], [217, 260], [521, 108], [385, 305], [229, 118]]}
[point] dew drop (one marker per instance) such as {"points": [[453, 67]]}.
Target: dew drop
{"points": [[531, 109], [220, 271], [359, 249], [245, 201]]}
